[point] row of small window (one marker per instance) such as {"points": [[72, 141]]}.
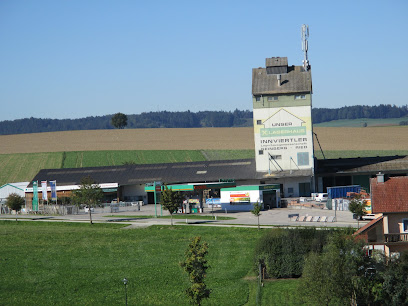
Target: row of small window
{"points": [[270, 98], [276, 98]]}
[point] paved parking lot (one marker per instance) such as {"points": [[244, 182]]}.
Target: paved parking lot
{"points": [[276, 216]]}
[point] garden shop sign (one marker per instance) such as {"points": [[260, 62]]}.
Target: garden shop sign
{"points": [[35, 195], [285, 136]]}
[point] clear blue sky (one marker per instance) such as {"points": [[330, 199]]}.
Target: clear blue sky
{"points": [[71, 59]]}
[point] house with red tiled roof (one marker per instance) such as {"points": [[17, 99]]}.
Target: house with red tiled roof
{"points": [[389, 231]]}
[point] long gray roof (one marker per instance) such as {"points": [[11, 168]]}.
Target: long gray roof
{"points": [[295, 81], [206, 171]]}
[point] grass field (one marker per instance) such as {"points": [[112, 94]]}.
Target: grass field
{"points": [[23, 167], [79, 264], [113, 158]]}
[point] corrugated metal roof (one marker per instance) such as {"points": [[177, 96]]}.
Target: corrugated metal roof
{"points": [[295, 81], [362, 165], [167, 173]]}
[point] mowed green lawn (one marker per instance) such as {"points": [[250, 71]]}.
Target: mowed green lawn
{"points": [[81, 264]]}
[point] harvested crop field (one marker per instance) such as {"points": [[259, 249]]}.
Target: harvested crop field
{"points": [[331, 139], [132, 139], [362, 138]]}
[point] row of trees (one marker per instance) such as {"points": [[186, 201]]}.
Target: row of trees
{"points": [[381, 111], [335, 267], [163, 119], [187, 119], [344, 274]]}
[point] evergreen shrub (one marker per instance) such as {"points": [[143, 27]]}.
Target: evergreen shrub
{"points": [[281, 252]]}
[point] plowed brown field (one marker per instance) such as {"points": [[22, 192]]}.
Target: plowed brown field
{"points": [[368, 138]]}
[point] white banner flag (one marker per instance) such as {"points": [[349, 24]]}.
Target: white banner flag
{"points": [[44, 190]]}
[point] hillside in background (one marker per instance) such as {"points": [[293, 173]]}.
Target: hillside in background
{"points": [[22, 156], [382, 111], [162, 119], [363, 122], [202, 119]]}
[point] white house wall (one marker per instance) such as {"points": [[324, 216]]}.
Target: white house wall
{"points": [[284, 132], [8, 189]]}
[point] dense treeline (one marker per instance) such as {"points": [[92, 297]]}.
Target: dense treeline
{"points": [[187, 119], [381, 111], [163, 119]]}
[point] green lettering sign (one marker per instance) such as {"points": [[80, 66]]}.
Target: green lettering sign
{"points": [[285, 131]]}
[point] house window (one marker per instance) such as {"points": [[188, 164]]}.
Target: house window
{"points": [[259, 122], [303, 159], [405, 225], [299, 97], [290, 190], [260, 152], [273, 98], [258, 99]]}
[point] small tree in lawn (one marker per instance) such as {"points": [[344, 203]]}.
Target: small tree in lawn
{"points": [[257, 211], [15, 202], [196, 266], [119, 120], [358, 207], [89, 194], [171, 200]]}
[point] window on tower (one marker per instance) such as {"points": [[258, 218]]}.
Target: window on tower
{"points": [[303, 158]]}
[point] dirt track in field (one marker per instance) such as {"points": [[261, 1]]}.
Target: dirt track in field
{"points": [[369, 138]]}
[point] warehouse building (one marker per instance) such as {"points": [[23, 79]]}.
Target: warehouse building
{"points": [[131, 183]]}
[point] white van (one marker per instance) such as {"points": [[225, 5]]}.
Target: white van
{"points": [[321, 197]]}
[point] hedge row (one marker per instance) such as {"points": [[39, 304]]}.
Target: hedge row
{"points": [[281, 252]]}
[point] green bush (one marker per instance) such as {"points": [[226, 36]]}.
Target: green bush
{"points": [[282, 252], [15, 202]]}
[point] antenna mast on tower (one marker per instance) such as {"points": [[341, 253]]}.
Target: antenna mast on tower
{"points": [[305, 46]]}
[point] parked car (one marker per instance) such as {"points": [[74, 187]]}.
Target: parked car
{"points": [[86, 208], [322, 197]]}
